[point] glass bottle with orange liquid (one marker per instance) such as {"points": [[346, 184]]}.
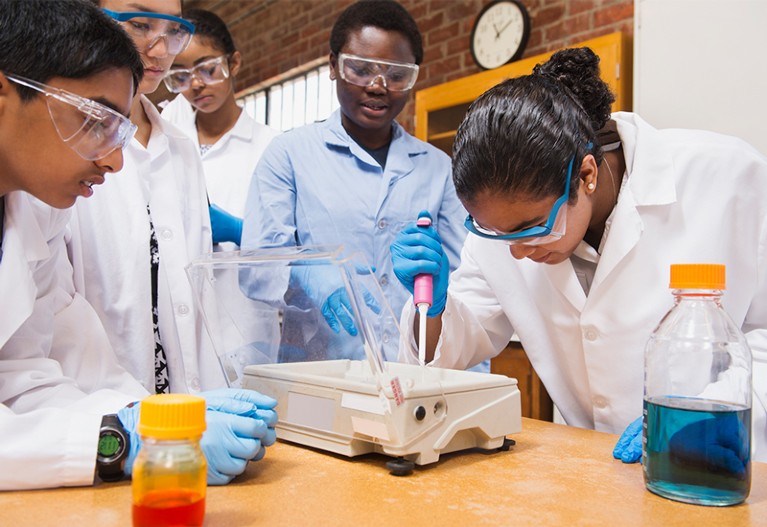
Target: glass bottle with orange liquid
{"points": [[169, 474]]}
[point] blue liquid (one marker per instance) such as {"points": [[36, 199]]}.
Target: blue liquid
{"points": [[697, 451]]}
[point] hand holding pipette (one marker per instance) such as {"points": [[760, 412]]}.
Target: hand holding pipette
{"points": [[422, 297], [417, 250]]}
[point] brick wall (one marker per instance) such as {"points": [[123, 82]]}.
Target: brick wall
{"points": [[275, 36]]}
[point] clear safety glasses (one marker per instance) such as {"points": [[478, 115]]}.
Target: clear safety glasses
{"points": [[551, 231], [395, 76], [87, 127], [148, 28], [211, 71]]}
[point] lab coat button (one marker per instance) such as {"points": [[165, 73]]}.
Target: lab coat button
{"points": [[591, 335], [183, 309], [167, 234], [384, 280], [599, 402], [194, 384], [386, 337], [381, 224]]}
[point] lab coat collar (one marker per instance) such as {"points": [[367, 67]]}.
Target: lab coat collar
{"points": [[160, 125], [647, 156], [403, 146], [24, 244], [243, 128], [651, 182], [23, 213]]}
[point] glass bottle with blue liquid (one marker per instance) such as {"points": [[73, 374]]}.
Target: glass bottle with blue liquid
{"points": [[697, 401]]}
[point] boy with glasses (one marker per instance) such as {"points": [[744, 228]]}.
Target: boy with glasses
{"points": [[66, 87], [63, 125]]}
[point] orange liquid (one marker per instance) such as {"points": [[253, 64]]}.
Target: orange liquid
{"points": [[169, 508]]}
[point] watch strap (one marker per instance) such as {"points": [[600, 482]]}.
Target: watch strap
{"points": [[110, 465]]}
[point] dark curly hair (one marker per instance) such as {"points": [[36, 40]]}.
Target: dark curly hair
{"points": [[383, 14], [519, 136]]}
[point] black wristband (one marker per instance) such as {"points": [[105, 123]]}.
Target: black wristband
{"points": [[113, 448]]}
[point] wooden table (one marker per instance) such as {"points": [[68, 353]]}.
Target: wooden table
{"points": [[554, 475]]}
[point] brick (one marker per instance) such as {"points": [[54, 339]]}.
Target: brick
{"points": [[276, 35]]}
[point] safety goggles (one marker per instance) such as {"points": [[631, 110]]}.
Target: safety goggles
{"points": [[211, 71], [148, 28], [395, 76], [551, 231], [91, 129]]}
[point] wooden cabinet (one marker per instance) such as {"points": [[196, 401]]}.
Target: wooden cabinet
{"points": [[440, 109], [438, 112], [535, 400]]}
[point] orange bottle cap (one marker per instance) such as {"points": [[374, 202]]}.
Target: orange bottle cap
{"points": [[172, 416], [697, 276]]}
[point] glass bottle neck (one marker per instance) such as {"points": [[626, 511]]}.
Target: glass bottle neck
{"points": [[701, 294], [182, 441]]}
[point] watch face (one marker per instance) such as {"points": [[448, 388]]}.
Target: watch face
{"points": [[500, 34], [109, 445]]}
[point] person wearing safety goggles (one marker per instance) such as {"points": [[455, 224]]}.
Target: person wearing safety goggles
{"points": [[144, 228], [68, 75], [575, 216], [358, 177], [230, 141]]}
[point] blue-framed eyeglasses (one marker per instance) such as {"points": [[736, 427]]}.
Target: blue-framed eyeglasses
{"points": [[147, 28], [552, 230], [87, 127]]}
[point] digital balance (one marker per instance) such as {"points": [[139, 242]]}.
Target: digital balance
{"points": [[267, 313]]}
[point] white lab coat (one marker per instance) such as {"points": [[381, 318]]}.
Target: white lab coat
{"points": [[690, 197], [58, 375], [109, 248], [230, 163]]}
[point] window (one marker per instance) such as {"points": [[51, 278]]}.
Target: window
{"points": [[298, 100]]}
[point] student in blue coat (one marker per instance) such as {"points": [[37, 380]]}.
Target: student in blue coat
{"points": [[358, 178]]}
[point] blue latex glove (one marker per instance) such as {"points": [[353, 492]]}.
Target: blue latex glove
{"points": [[323, 284], [128, 416], [337, 310], [417, 250], [229, 442], [629, 447], [226, 227], [718, 443], [240, 424]]}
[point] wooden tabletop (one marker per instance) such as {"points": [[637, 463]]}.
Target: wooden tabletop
{"points": [[554, 475]]}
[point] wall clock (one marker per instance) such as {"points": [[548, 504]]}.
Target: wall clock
{"points": [[500, 33]]}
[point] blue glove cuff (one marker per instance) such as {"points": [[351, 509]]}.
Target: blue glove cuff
{"points": [[128, 416]]}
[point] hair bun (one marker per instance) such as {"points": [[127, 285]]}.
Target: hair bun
{"points": [[578, 70]]}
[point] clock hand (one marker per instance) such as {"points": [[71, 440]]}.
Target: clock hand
{"points": [[498, 32]]}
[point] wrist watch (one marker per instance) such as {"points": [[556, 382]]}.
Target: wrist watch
{"points": [[113, 448]]}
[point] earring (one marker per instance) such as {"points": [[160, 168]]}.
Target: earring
{"points": [[591, 186]]}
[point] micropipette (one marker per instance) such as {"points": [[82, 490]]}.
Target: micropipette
{"points": [[422, 297]]}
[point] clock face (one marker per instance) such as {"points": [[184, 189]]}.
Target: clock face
{"points": [[500, 34]]}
